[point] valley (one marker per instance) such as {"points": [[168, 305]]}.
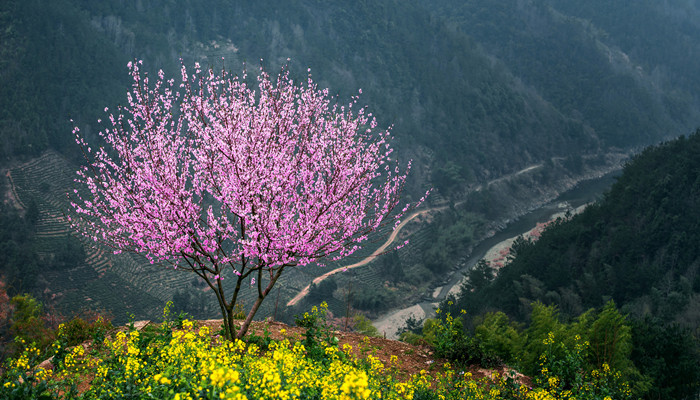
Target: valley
{"points": [[92, 280], [494, 248]]}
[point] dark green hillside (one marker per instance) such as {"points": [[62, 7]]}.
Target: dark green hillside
{"points": [[661, 36], [638, 246], [475, 89], [54, 67], [454, 109], [442, 93], [469, 106], [621, 68]]}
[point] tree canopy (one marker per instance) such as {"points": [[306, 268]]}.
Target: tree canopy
{"points": [[234, 183]]}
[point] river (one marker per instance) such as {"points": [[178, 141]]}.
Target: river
{"points": [[583, 193]]}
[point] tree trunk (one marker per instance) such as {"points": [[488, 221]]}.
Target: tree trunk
{"points": [[254, 309], [249, 318], [229, 324]]}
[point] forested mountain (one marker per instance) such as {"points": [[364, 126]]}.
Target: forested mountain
{"points": [[487, 88], [621, 68], [638, 246], [476, 91], [447, 100]]}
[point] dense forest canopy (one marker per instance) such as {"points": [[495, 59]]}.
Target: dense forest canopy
{"points": [[622, 68], [461, 83]]}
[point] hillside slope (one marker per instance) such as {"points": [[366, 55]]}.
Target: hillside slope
{"points": [[638, 246], [476, 93]]}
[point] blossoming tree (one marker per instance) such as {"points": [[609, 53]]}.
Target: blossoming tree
{"points": [[226, 181]]}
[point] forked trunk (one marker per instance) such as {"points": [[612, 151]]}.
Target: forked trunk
{"points": [[258, 301]]}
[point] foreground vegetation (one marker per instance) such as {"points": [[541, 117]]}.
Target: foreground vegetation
{"points": [[183, 359]]}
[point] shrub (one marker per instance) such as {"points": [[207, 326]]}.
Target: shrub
{"points": [[364, 326], [28, 324], [448, 338], [318, 335]]}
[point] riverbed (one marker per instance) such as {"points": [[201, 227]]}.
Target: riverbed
{"points": [[494, 247]]}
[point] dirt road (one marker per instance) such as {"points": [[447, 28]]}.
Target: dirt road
{"points": [[365, 261]]}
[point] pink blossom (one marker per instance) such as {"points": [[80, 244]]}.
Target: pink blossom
{"points": [[213, 174]]}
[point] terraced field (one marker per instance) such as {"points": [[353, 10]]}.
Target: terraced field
{"points": [[119, 284]]}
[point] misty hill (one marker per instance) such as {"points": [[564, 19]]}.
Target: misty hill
{"points": [[620, 68], [477, 91], [489, 88]]}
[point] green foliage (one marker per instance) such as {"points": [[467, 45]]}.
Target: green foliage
{"points": [[411, 331], [35, 342], [78, 330], [611, 339], [20, 380], [412, 324], [500, 336], [564, 371], [263, 342], [391, 268], [544, 322], [553, 353], [5, 313], [447, 337], [171, 321], [319, 334], [368, 298], [18, 256], [190, 302], [70, 253], [238, 312], [448, 236], [669, 357], [364, 326], [602, 340], [323, 290], [479, 276], [448, 177], [27, 322], [606, 333]]}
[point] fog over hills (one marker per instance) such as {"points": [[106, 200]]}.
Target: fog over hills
{"points": [[475, 90]]}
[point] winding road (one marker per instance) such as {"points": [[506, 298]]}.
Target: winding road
{"points": [[393, 236], [366, 260]]}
